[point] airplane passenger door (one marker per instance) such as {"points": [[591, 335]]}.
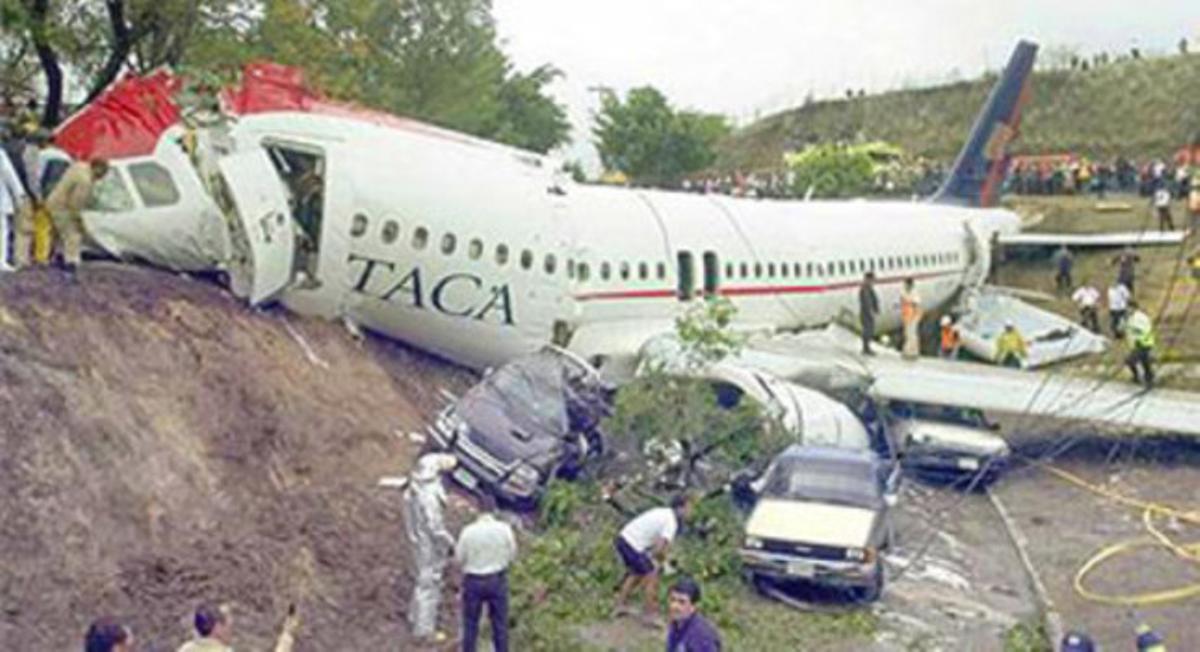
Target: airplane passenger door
{"points": [[712, 273], [685, 275], [261, 231]]}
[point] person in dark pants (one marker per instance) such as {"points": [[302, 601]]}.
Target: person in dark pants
{"points": [[484, 551], [1126, 263], [868, 309], [689, 631], [1064, 261]]}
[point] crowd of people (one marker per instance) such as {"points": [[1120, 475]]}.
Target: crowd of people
{"points": [[213, 632], [1070, 175]]}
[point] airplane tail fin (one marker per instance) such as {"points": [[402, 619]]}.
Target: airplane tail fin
{"points": [[979, 169]]}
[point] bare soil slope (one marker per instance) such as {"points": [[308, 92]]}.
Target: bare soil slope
{"points": [[162, 445]]}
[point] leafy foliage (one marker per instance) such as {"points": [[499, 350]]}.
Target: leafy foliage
{"points": [[650, 142], [831, 171], [437, 60]]}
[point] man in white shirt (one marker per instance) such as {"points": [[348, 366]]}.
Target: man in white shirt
{"points": [[12, 200], [1087, 298], [1118, 305], [1162, 205], [643, 542], [484, 551]]}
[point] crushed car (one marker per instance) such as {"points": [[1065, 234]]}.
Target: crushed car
{"points": [[524, 423], [822, 515], [948, 445]]}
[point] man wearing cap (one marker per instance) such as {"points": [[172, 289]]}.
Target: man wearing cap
{"points": [[950, 338], [1011, 350], [1149, 640], [428, 540]]}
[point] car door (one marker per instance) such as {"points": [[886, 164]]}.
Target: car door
{"points": [[261, 232]]}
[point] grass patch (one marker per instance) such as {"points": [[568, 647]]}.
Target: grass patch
{"points": [[1029, 636]]}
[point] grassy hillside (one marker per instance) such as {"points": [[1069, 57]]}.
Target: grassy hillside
{"points": [[1138, 108]]}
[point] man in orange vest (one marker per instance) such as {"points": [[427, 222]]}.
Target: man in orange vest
{"points": [[950, 338], [910, 315]]}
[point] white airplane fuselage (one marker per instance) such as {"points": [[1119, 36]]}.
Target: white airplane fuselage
{"points": [[480, 253]]}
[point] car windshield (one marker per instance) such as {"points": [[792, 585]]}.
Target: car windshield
{"points": [[821, 480], [532, 391]]}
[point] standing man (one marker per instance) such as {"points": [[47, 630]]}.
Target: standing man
{"points": [[1064, 261], [1011, 350], [107, 635], [1126, 262], [1139, 332], [214, 630], [1193, 202], [1087, 298], [689, 631], [1162, 206], [910, 315], [1118, 306], [34, 163], [485, 550], [948, 349], [428, 539], [868, 309], [13, 201], [642, 545], [67, 202]]}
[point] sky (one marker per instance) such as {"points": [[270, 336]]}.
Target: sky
{"points": [[751, 58]]}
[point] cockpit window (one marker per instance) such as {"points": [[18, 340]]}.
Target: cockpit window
{"points": [[154, 184], [110, 194]]}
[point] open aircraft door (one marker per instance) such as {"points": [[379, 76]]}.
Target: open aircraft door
{"points": [[260, 228]]}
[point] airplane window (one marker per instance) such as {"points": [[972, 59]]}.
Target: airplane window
{"points": [[154, 184], [624, 271], [796, 270], [582, 272], [475, 249], [841, 267], [110, 194], [728, 270], [810, 269], [661, 268], [358, 226], [391, 231], [643, 271], [770, 270], [420, 238], [852, 266], [783, 270], [501, 255], [550, 264], [758, 270], [448, 243], [526, 259], [745, 270], [605, 271], [570, 268]]}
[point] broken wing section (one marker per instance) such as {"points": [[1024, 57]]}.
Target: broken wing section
{"points": [[1050, 337], [829, 359], [261, 234]]}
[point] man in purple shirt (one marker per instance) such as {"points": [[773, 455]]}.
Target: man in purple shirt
{"points": [[689, 631]]}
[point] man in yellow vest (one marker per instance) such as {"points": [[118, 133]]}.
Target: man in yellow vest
{"points": [[1011, 350], [1139, 333], [66, 204]]}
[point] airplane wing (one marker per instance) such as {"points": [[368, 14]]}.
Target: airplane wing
{"points": [[1050, 337], [829, 360], [1094, 240]]}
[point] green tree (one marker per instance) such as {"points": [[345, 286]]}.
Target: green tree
{"points": [[831, 171], [645, 138]]}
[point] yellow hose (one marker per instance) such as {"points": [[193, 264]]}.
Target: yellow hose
{"points": [[1189, 552]]}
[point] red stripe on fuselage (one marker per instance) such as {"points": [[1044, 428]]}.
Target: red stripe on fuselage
{"points": [[755, 290]]}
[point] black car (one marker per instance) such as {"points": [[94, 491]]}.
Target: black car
{"points": [[532, 419]]}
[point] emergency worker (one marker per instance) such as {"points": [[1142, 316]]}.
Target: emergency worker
{"points": [[428, 539], [950, 340], [1139, 333], [1011, 350], [1077, 642], [1087, 298], [23, 236], [67, 202], [910, 315]]}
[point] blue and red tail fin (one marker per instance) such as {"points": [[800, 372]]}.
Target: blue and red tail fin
{"points": [[980, 167]]}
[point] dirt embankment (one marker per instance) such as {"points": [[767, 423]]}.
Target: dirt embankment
{"points": [[162, 445]]}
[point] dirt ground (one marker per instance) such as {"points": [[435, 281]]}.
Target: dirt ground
{"points": [[1065, 525], [163, 445]]}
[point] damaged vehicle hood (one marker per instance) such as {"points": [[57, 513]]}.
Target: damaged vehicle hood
{"points": [[811, 522]]}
